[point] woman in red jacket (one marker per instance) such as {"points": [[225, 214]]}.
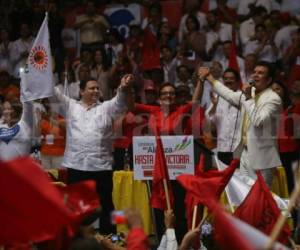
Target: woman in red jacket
{"points": [[172, 119]]}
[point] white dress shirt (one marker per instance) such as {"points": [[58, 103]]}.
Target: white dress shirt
{"points": [[168, 240], [16, 141], [267, 54], [283, 38], [227, 121], [223, 34], [247, 30], [89, 132]]}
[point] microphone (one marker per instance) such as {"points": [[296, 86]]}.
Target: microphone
{"points": [[251, 82]]}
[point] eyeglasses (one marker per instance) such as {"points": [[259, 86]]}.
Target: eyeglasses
{"points": [[168, 93]]}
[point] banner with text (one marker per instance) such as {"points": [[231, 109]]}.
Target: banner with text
{"points": [[179, 152]]}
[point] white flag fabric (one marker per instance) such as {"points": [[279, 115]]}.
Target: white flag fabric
{"points": [[66, 86], [239, 186], [258, 239], [37, 77]]}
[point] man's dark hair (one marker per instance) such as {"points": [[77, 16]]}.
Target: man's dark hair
{"points": [[258, 10], [268, 66], [166, 84], [195, 21], [83, 83], [233, 71]]}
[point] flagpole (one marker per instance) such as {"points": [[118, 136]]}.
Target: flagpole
{"points": [[167, 194], [194, 217], [203, 220], [282, 218]]}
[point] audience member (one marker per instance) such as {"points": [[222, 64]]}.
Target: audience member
{"points": [[92, 27]]}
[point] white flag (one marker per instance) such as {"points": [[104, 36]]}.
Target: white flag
{"points": [[258, 239], [66, 86], [239, 186], [37, 77]]}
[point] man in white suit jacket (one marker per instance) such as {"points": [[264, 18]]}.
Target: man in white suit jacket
{"points": [[260, 109]]}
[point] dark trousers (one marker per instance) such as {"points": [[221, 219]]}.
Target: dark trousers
{"points": [[104, 183], [286, 160], [225, 157]]}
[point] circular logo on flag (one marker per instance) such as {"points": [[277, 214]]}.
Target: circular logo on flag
{"points": [[38, 58]]}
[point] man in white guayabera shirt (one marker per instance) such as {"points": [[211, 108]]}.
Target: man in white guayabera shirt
{"points": [[88, 153], [16, 130]]}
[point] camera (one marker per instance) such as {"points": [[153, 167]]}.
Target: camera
{"points": [[118, 217], [115, 238]]}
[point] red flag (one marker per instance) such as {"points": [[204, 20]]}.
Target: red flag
{"points": [[260, 210], [150, 51], [205, 6], [190, 199], [200, 168], [160, 172], [209, 184], [32, 209], [225, 232], [232, 61], [81, 198]]}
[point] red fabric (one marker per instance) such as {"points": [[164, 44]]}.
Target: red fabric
{"points": [[59, 133], [225, 232], [190, 200], [260, 210], [32, 208], [205, 6], [194, 125], [150, 51], [172, 11], [137, 239], [208, 185], [81, 198], [173, 124], [127, 127], [200, 168], [231, 12], [160, 173], [233, 63], [294, 73], [289, 119]]}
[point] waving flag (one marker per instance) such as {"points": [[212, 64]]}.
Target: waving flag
{"points": [[160, 174], [37, 77], [209, 185], [32, 209], [259, 209], [238, 234], [239, 187]]}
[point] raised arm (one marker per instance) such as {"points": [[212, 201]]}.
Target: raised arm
{"points": [[231, 96], [121, 101], [199, 88]]}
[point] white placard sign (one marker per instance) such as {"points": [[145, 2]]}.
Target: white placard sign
{"points": [[179, 152]]}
